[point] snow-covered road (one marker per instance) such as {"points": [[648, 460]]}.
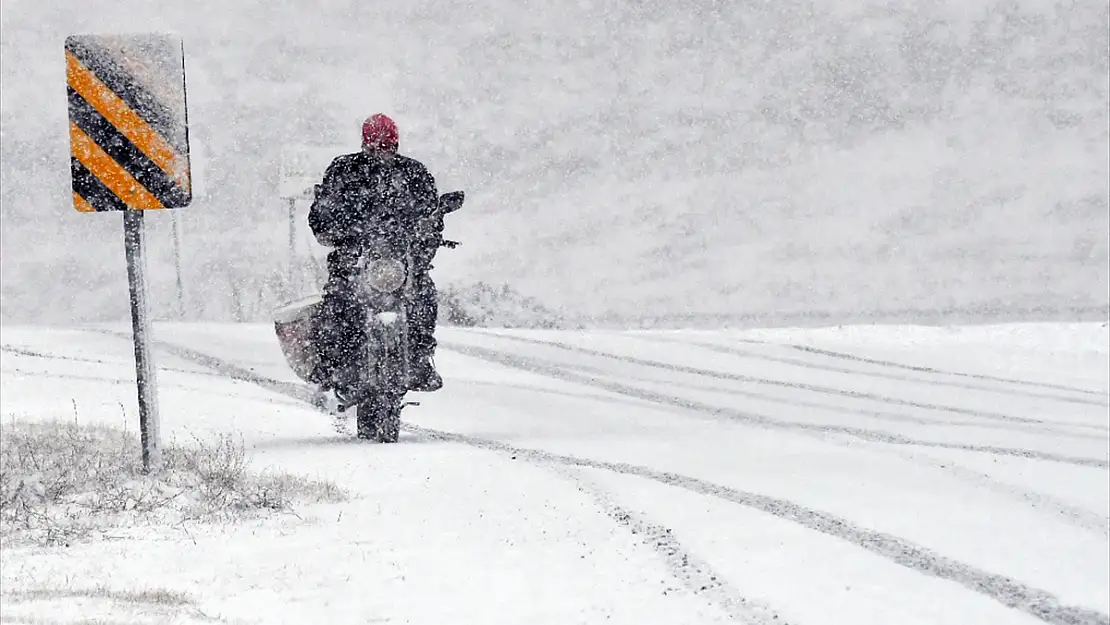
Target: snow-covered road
{"points": [[856, 475]]}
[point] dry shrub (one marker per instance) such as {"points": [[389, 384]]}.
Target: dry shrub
{"points": [[60, 482]]}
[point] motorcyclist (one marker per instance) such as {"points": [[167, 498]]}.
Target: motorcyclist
{"points": [[361, 191]]}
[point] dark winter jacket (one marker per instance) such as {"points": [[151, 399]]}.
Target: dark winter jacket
{"points": [[359, 194]]}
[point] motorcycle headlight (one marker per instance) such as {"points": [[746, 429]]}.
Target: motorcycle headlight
{"points": [[385, 275]]}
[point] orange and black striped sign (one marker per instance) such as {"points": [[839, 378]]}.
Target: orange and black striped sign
{"points": [[128, 126]]}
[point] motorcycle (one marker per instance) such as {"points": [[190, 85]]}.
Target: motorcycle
{"points": [[376, 382]]}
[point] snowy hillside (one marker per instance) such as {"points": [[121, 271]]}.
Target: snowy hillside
{"points": [[706, 158], [855, 475]]}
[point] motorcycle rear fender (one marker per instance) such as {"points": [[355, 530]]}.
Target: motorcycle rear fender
{"points": [[386, 339]]}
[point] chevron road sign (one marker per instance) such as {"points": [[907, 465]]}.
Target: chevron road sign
{"points": [[128, 128], [129, 153]]}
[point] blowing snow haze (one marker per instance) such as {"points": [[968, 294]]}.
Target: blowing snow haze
{"points": [[700, 160]]}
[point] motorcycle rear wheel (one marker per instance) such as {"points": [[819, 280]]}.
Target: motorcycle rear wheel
{"points": [[379, 418]]}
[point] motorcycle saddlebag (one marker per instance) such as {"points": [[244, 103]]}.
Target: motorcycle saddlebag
{"points": [[295, 325]]}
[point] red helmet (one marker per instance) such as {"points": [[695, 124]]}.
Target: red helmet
{"points": [[379, 131]]}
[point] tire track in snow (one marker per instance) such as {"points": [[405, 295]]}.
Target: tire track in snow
{"points": [[735, 377], [922, 369], [732, 414], [809, 364], [1007, 591], [1038, 603], [20, 351], [39, 375], [1044, 503], [1041, 502], [696, 575], [884, 415], [1074, 515]]}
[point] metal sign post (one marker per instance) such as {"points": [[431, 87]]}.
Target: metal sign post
{"points": [[292, 244], [129, 152], [145, 372], [177, 266]]}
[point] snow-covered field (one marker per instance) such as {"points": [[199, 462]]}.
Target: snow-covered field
{"points": [[855, 475], [689, 161]]}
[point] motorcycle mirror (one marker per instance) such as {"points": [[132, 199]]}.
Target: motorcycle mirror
{"points": [[451, 202]]}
